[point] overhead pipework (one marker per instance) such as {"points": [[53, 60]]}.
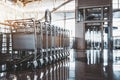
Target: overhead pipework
{"points": [[24, 2]]}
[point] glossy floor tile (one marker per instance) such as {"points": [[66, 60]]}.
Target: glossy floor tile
{"points": [[97, 65], [81, 65]]}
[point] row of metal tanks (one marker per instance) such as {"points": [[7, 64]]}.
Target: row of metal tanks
{"points": [[28, 42]]}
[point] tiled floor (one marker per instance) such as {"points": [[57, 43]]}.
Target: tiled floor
{"points": [[81, 65]]}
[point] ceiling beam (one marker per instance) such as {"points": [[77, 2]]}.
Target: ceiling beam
{"points": [[24, 2]]}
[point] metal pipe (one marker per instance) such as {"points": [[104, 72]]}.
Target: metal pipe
{"points": [[35, 37], [54, 9]]}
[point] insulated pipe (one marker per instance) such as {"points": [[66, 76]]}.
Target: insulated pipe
{"points": [[57, 52], [60, 43], [1, 38], [55, 42], [41, 46], [46, 28], [68, 38], [35, 37], [64, 41], [41, 38], [51, 42], [35, 50]]}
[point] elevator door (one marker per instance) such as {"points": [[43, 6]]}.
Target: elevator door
{"points": [[93, 36]]}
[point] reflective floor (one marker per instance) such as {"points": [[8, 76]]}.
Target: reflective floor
{"points": [[81, 65], [97, 65]]}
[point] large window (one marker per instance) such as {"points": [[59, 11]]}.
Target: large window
{"points": [[116, 4], [116, 24]]}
